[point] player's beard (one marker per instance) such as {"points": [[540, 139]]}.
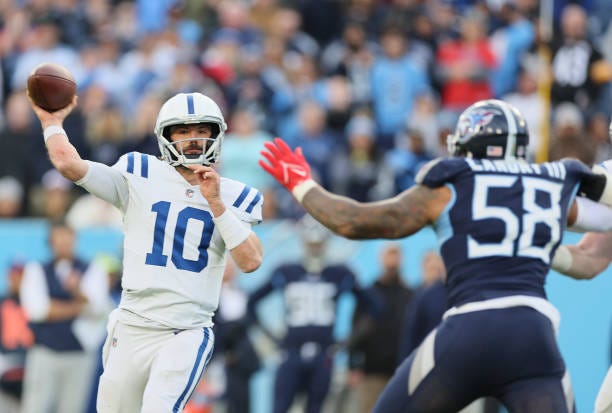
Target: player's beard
{"points": [[193, 151]]}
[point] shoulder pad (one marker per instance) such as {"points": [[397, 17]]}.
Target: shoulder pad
{"points": [[575, 165], [245, 201], [349, 281], [134, 163], [439, 171], [340, 274]]}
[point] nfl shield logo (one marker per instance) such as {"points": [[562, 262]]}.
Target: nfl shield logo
{"points": [[114, 342], [189, 193]]}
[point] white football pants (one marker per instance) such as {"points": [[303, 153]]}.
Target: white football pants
{"points": [[151, 370]]}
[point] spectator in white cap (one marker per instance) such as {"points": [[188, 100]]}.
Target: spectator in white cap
{"points": [[11, 196], [568, 137], [54, 196]]}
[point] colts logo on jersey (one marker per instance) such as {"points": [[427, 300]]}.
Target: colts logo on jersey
{"points": [[477, 119]]}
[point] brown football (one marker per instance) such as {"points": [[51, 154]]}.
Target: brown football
{"points": [[51, 86]]}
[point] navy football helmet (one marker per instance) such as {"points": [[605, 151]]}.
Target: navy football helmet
{"points": [[490, 129]]}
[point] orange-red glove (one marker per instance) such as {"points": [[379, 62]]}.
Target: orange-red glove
{"points": [[288, 167]]}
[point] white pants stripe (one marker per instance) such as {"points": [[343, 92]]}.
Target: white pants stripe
{"points": [[424, 362]]}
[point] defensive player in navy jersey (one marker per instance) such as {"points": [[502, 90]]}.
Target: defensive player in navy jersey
{"points": [[498, 221], [311, 290]]}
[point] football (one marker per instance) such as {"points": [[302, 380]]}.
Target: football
{"points": [[51, 86]]}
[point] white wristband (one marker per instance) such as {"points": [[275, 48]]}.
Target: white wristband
{"points": [[233, 231], [562, 261], [299, 191], [53, 130]]}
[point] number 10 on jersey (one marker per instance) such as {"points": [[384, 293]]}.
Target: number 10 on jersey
{"points": [[156, 256]]}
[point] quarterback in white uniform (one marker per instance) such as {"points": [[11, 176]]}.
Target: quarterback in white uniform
{"points": [[180, 219]]}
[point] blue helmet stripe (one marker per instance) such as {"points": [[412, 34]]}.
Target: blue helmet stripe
{"points": [[190, 107]]}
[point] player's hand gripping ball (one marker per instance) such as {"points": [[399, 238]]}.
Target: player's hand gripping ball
{"points": [[51, 86]]}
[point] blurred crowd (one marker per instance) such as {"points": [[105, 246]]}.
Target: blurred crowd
{"points": [[368, 88]]}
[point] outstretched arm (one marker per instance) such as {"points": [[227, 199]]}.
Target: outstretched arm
{"points": [[395, 217], [587, 259], [63, 155]]}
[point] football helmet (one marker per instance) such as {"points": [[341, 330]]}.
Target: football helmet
{"points": [[314, 239], [312, 231], [186, 109], [490, 129]]}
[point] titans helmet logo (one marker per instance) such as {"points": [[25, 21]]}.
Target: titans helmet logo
{"points": [[474, 121]]}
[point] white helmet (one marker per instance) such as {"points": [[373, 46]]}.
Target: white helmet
{"points": [[185, 109]]}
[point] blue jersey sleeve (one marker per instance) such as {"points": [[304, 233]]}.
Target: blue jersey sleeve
{"points": [[438, 172]]}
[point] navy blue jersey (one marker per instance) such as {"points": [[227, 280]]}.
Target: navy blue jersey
{"points": [[310, 301], [503, 224]]}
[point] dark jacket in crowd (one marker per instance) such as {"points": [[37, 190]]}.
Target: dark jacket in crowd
{"points": [[367, 352]]}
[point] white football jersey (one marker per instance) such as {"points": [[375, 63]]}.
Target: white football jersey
{"points": [[174, 257]]}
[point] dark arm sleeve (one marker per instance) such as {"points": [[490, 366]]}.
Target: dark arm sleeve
{"points": [[592, 185]]}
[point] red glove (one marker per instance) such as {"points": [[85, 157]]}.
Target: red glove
{"points": [[288, 167]]}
